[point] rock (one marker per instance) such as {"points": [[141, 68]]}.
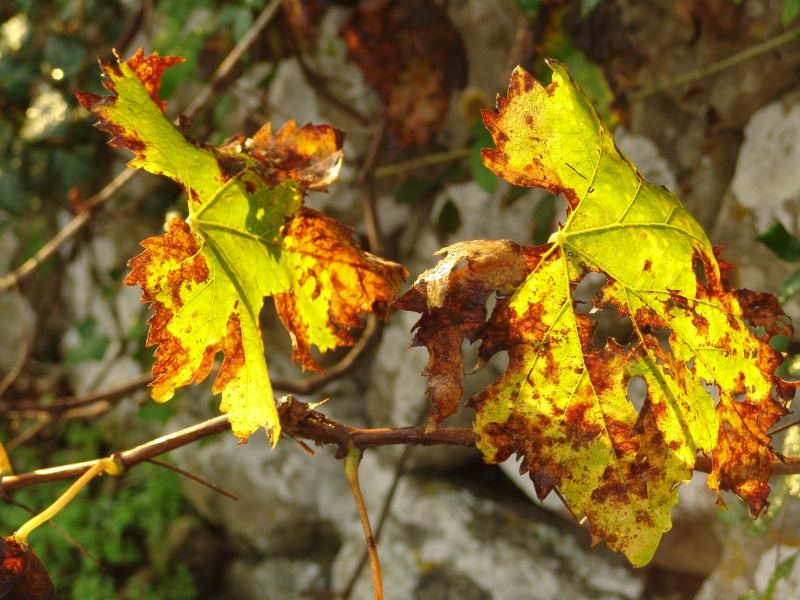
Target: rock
{"points": [[485, 217], [289, 89], [19, 322], [752, 549], [645, 155], [275, 578], [102, 311], [461, 544], [278, 491], [767, 180]]}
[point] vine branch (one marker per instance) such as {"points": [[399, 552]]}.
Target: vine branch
{"points": [[721, 65], [300, 420]]}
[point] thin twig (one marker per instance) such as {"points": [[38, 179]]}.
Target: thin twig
{"points": [[298, 419], [399, 471], [30, 432], [68, 402], [343, 367], [126, 459], [227, 65], [317, 82], [32, 511], [94, 203], [196, 478], [721, 65], [366, 181], [22, 356], [421, 162]]}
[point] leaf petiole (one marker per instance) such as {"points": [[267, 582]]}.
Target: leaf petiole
{"points": [[104, 465], [351, 463]]}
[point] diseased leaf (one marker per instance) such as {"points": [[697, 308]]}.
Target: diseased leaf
{"points": [[414, 63], [22, 574], [247, 237], [566, 403]]}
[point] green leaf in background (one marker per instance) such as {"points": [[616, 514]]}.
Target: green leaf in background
{"points": [[587, 6], [530, 8], [449, 218], [790, 11], [782, 243], [782, 571], [414, 189], [93, 344], [482, 176], [557, 44], [790, 287], [543, 216]]}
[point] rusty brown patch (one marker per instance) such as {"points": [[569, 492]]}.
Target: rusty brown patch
{"points": [[229, 166], [150, 69], [763, 310], [233, 349], [359, 282], [310, 155]]}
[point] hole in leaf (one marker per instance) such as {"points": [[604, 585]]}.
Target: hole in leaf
{"points": [[662, 336], [636, 392], [700, 272], [587, 290], [712, 389], [477, 376], [610, 324], [491, 302], [740, 397]]}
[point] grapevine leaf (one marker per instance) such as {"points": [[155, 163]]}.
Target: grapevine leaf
{"points": [[566, 403], [247, 237]]}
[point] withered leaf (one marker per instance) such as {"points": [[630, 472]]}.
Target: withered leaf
{"points": [[566, 403], [412, 54], [22, 574], [247, 237]]}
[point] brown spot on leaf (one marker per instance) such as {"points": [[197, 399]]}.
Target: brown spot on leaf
{"points": [[310, 155], [763, 310], [234, 359], [229, 166]]}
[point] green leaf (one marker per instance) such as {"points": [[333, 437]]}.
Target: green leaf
{"points": [[482, 176], [587, 6], [790, 287], [782, 571], [449, 219], [789, 11], [782, 243]]}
